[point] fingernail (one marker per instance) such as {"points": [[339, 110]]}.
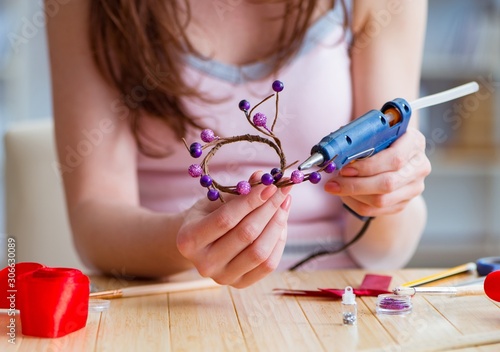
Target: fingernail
{"points": [[255, 177], [268, 192], [332, 187], [286, 203], [349, 171]]}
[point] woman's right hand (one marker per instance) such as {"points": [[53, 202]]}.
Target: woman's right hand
{"points": [[242, 240]]}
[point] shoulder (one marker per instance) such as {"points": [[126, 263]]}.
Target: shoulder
{"points": [[386, 13]]}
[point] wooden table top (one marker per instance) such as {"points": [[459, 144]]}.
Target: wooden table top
{"points": [[256, 319]]}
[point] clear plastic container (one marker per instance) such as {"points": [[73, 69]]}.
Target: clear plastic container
{"points": [[394, 304], [99, 305]]}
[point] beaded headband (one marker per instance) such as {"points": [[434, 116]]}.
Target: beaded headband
{"points": [[258, 121]]}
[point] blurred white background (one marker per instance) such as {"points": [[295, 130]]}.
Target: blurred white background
{"points": [[24, 75], [462, 44]]}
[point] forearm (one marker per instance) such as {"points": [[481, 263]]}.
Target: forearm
{"points": [[125, 240], [390, 240]]}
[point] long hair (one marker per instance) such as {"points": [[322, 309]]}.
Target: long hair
{"points": [[136, 43]]}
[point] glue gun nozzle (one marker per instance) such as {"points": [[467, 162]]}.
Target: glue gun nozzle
{"points": [[315, 159]]}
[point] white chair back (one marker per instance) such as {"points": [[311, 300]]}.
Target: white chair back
{"points": [[36, 214]]}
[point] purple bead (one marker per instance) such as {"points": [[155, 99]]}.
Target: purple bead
{"points": [[213, 194], [195, 150], [330, 168], [196, 153], [206, 181], [243, 187], [259, 119], [195, 145], [297, 176], [314, 177], [195, 170], [267, 179], [278, 86], [277, 174], [207, 135], [244, 105]]}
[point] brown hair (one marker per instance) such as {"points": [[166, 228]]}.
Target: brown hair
{"points": [[133, 39]]}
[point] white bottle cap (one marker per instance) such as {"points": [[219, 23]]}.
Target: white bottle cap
{"points": [[348, 297]]}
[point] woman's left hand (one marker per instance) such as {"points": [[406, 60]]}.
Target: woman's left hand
{"points": [[386, 182]]}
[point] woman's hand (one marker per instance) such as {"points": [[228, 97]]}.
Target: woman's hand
{"points": [[239, 242], [386, 182]]}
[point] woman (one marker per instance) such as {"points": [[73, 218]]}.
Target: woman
{"points": [[130, 79]]}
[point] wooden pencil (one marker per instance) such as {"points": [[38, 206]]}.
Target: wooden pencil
{"points": [[442, 275], [155, 289]]}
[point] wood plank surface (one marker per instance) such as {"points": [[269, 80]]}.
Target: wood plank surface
{"points": [[257, 319], [271, 322], [204, 321]]}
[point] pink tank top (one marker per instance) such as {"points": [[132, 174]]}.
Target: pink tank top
{"points": [[316, 101]]}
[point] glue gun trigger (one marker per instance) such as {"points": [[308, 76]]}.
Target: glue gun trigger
{"points": [[361, 155]]}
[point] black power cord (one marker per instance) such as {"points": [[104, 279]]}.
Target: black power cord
{"points": [[361, 232]]}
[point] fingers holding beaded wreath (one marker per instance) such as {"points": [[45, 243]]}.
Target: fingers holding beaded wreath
{"points": [[260, 122]]}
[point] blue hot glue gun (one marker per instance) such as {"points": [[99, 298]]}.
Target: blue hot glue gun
{"points": [[363, 137], [374, 131]]}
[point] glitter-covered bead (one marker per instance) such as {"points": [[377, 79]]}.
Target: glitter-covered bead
{"points": [[330, 168], [213, 194], [195, 150], [297, 176], [207, 135], [278, 86], [267, 179], [244, 105], [259, 119], [206, 181], [195, 170], [315, 177], [243, 187]]}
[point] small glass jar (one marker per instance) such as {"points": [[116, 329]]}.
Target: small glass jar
{"points": [[349, 307], [394, 304]]}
